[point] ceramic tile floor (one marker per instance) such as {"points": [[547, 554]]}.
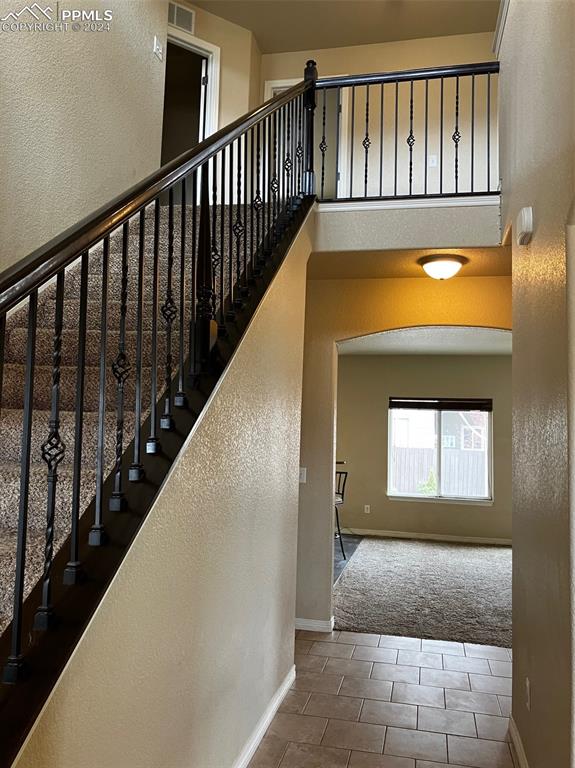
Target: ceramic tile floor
{"points": [[377, 701]]}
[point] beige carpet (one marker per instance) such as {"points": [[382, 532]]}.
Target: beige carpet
{"points": [[427, 589]]}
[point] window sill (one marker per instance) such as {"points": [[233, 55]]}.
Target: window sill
{"points": [[444, 500]]}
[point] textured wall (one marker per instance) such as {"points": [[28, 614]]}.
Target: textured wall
{"points": [[365, 384], [340, 309], [538, 150], [195, 634], [80, 120]]}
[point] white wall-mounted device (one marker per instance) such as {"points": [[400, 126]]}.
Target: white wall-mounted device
{"points": [[524, 226]]}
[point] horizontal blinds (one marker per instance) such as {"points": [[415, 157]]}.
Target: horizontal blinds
{"points": [[442, 403]]}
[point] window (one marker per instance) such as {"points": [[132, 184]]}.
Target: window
{"points": [[439, 448]]}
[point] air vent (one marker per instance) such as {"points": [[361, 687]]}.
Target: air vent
{"points": [[181, 17]]}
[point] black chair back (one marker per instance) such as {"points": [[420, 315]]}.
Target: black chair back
{"points": [[340, 481]]}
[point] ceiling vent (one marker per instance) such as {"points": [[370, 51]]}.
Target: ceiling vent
{"points": [[181, 17]]}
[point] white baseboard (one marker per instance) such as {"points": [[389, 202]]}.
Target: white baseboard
{"points": [[254, 741], [517, 744], [427, 536], [315, 625]]}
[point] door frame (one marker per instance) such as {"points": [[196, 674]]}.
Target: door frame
{"points": [[212, 55]]}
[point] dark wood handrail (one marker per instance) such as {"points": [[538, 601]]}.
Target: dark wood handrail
{"points": [[33, 271], [432, 73]]}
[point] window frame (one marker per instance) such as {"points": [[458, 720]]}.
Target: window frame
{"points": [[462, 405]]}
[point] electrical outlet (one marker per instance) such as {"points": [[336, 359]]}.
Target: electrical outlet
{"points": [[432, 161], [528, 694], [158, 48], [366, 509], [303, 475]]}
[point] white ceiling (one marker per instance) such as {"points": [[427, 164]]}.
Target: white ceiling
{"points": [[309, 25], [430, 340]]}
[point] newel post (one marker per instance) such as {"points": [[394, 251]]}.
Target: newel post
{"points": [[204, 281], [310, 73]]}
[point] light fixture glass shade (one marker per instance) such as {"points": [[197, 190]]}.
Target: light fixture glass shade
{"points": [[442, 267]]}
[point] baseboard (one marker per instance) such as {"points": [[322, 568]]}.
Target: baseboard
{"points": [[517, 744], [254, 741], [427, 536], [315, 625]]}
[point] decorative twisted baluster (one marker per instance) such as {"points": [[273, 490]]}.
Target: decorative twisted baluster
{"points": [[288, 162], [169, 312], [121, 370], [204, 281], [52, 453], [216, 258], [411, 137], [456, 135], [323, 146], [299, 148], [153, 441], [258, 202], [238, 228], [180, 399], [366, 143]]}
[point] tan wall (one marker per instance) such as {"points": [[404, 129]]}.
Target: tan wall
{"points": [[538, 150], [389, 57], [339, 309], [195, 634], [80, 120], [365, 384]]}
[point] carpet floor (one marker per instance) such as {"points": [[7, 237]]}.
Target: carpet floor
{"points": [[426, 589]]}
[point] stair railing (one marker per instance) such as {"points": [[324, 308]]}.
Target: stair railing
{"points": [[185, 247]]}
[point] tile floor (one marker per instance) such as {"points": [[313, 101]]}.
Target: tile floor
{"points": [[376, 701]]}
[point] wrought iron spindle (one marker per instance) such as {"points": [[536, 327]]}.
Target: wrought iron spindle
{"points": [[456, 136], [489, 133], [267, 183], [253, 255], [136, 471], [98, 536], [472, 131], [121, 371], [426, 137], [299, 148], [381, 139], [204, 278], [194, 365], [258, 203], [337, 141], [53, 450], [366, 143], [215, 250], [73, 571], [411, 137], [239, 227], [323, 146], [169, 313], [441, 138], [153, 441], [244, 282], [15, 665], [396, 138], [222, 331], [180, 399], [231, 309], [288, 162], [310, 75], [274, 182], [352, 141]]}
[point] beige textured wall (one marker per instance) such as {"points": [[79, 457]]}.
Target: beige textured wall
{"points": [[80, 120], [365, 384], [195, 634], [389, 57], [538, 150], [340, 309]]}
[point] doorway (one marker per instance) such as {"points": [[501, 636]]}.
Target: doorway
{"points": [[184, 119]]}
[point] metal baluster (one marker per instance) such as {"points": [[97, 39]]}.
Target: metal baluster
{"points": [[366, 143], [215, 251], [381, 140], [121, 370], [253, 267], [426, 137], [204, 277], [441, 140], [352, 140], [53, 450], [489, 133], [472, 129], [323, 147], [180, 399], [456, 136], [73, 571], [231, 310], [274, 183], [169, 312], [267, 184], [310, 75], [288, 163], [15, 666], [153, 441], [136, 471], [238, 228], [299, 149], [396, 137], [258, 201], [222, 331], [411, 137], [192, 331], [245, 288]]}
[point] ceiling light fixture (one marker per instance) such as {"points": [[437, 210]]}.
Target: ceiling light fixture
{"points": [[442, 266]]}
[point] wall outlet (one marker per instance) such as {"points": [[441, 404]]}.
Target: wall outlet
{"points": [[366, 509], [432, 161], [528, 694], [158, 48], [303, 474]]}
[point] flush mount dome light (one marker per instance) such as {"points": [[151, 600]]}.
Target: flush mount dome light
{"points": [[442, 266]]}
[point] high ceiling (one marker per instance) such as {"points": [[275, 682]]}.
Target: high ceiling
{"points": [[301, 25], [430, 340]]}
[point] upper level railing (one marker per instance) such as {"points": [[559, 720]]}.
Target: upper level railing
{"points": [[418, 133]]}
